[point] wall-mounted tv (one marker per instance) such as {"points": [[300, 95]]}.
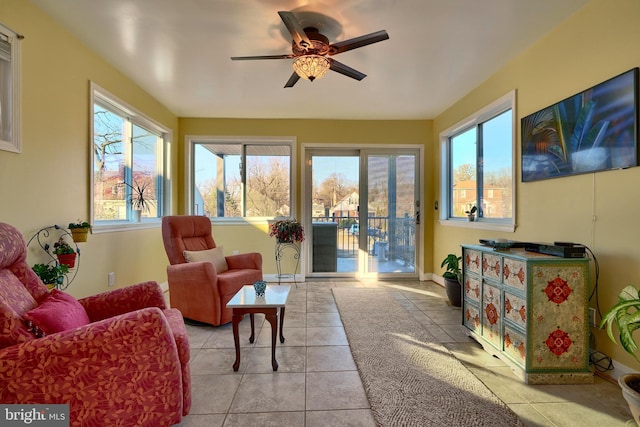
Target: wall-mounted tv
{"points": [[594, 130]]}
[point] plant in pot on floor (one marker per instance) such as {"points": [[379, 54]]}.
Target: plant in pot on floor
{"points": [[66, 254], [626, 316], [452, 279]]}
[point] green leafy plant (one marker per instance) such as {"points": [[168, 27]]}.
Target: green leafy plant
{"points": [[471, 211], [51, 274], [61, 247], [626, 316], [79, 224], [452, 264]]}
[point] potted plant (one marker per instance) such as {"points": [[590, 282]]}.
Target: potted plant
{"points": [[66, 254], [79, 230], [452, 279], [51, 275], [141, 198], [471, 214], [626, 316], [287, 230]]}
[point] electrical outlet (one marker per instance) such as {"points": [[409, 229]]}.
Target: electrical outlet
{"points": [[112, 278], [592, 317]]}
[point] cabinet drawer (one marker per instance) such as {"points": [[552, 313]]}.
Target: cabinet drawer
{"points": [[491, 315], [471, 317], [491, 266], [472, 288], [515, 344], [515, 309], [472, 261], [514, 273]]}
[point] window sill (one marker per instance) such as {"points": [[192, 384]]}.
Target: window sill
{"points": [[125, 226], [478, 225]]}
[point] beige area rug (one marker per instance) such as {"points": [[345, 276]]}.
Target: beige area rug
{"points": [[409, 378]]}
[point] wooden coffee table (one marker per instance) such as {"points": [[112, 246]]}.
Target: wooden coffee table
{"points": [[271, 304]]}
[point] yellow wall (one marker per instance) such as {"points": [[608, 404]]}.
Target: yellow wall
{"points": [[599, 210], [349, 132], [48, 183]]}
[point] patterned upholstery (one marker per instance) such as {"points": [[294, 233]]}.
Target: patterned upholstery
{"points": [[196, 289], [130, 366]]}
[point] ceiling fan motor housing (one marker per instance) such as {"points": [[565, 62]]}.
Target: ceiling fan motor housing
{"points": [[319, 44]]}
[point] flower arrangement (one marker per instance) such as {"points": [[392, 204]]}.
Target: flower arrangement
{"points": [[287, 230], [61, 247]]}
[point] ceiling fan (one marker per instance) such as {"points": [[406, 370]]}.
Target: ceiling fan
{"points": [[312, 51]]}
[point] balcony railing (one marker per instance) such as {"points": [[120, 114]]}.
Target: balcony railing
{"points": [[394, 236]]}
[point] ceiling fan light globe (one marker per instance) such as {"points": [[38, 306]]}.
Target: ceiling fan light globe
{"points": [[311, 67]]}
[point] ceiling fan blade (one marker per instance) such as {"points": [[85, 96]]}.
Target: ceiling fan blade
{"points": [[339, 67], [297, 32], [244, 58], [357, 42], [292, 80]]}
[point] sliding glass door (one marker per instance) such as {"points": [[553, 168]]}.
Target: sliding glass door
{"points": [[361, 212]]}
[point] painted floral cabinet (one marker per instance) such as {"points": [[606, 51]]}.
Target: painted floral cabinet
{"points": [[530, 310]]}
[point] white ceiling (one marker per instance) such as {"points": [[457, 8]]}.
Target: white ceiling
{"points": [[179, 51]]}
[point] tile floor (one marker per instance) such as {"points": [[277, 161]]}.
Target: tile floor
{"points": [[317, 383]]}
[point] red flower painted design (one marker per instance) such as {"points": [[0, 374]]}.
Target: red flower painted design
{"points": [[492, 313], [477, 291], [468, 315], [485, 265], [507, 305], [520, 276], [477, 261], [476, 321], [496, 268], [507, 341], [523, 313], [506, 271], [540, 318], [557, 290], [558, 342], [522, 350]]}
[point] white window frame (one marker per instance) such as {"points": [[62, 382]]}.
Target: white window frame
{"points": [[14, 144], [494, 109], [192, 140], [136, 117]]}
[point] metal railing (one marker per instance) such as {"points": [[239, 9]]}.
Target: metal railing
{"points": [[397, 233]]}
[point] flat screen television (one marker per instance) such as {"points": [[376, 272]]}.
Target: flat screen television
{"points": [[591, 131]]}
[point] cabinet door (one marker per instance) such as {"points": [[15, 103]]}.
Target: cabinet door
{"points": [[491, 266], [515, 309], [472, 288], [514, 273], [515, 344], [472, 260], [491, 314], [559, 330], [471, 318]]}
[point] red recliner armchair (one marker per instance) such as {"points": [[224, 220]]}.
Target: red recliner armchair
{"points": [[116, 358], [201, 289]]}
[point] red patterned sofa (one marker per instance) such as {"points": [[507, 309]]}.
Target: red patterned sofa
{"points": [[117, 358]]}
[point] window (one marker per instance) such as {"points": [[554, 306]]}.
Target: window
{"points": [[478, 166], [128, 154], [10, 90], [241, 177]]}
